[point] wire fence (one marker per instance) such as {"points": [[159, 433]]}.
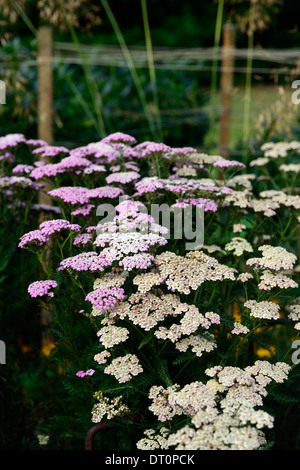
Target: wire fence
{"points": [[266, 64]]}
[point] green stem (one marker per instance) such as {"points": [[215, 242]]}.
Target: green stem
{"points": [[248, 84], [90, 81], [131, 67], [151, 65], [214, 73]]}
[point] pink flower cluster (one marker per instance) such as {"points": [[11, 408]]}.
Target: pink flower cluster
{"points": [[119, 137], [41, 288], [123, 177], [81, 195], [67, 164], [87, 261], [82, 373], [206, 204], [228, 164], [50, 151], [45, 230], [105, 298], [11, 140]]}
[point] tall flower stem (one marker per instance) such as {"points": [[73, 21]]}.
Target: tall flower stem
{"points": [[151, 65], [214, 72], [248, 84], [132, 68]]}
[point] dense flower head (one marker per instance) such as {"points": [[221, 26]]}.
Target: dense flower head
{"points": [[22, 169], [154, 147], [123, 368], [82, 239], [66, 165], [45, 230], [269, 281], [86, 261], [81, 195], [206, 204], [263, 309], [273, 258], [11, 140], [184, 274], [123, 177], [239, 246], [228, 164], [118, 245], [56, 225], [111, 335], [110, 408], [18, 182], [84, 210], [105, 298], [119, 137], [50, 151], [41, 288], [97, 151]]}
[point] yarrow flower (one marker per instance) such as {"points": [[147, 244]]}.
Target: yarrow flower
{"points": [[228, 164], [50, 151], [239, 329], [269, 281], [86, 261], [82, 373], [263, 310], [184, 274], [238, 246], [124, 368], [102, 357], [237, 228], [41, 288], [111, 335], [154, 440], [43, 234], [119, 137], [105, 298], [273, 258], [123, 177], [108, 407]]}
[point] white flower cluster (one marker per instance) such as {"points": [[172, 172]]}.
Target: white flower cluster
{"points": [[291, 167], [124, 367], [279, 149], [294, 315], [148, 309], [264, 309], [270, 281], [273, 258], [281, 198], [244, 277], [239, 329], [102, 357], [154, 440], [239, 199], [224, 414], [197, 343], [239, 246], [183, 274], [107, 407], [189, 323], [111, 335], [237, 228]]}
